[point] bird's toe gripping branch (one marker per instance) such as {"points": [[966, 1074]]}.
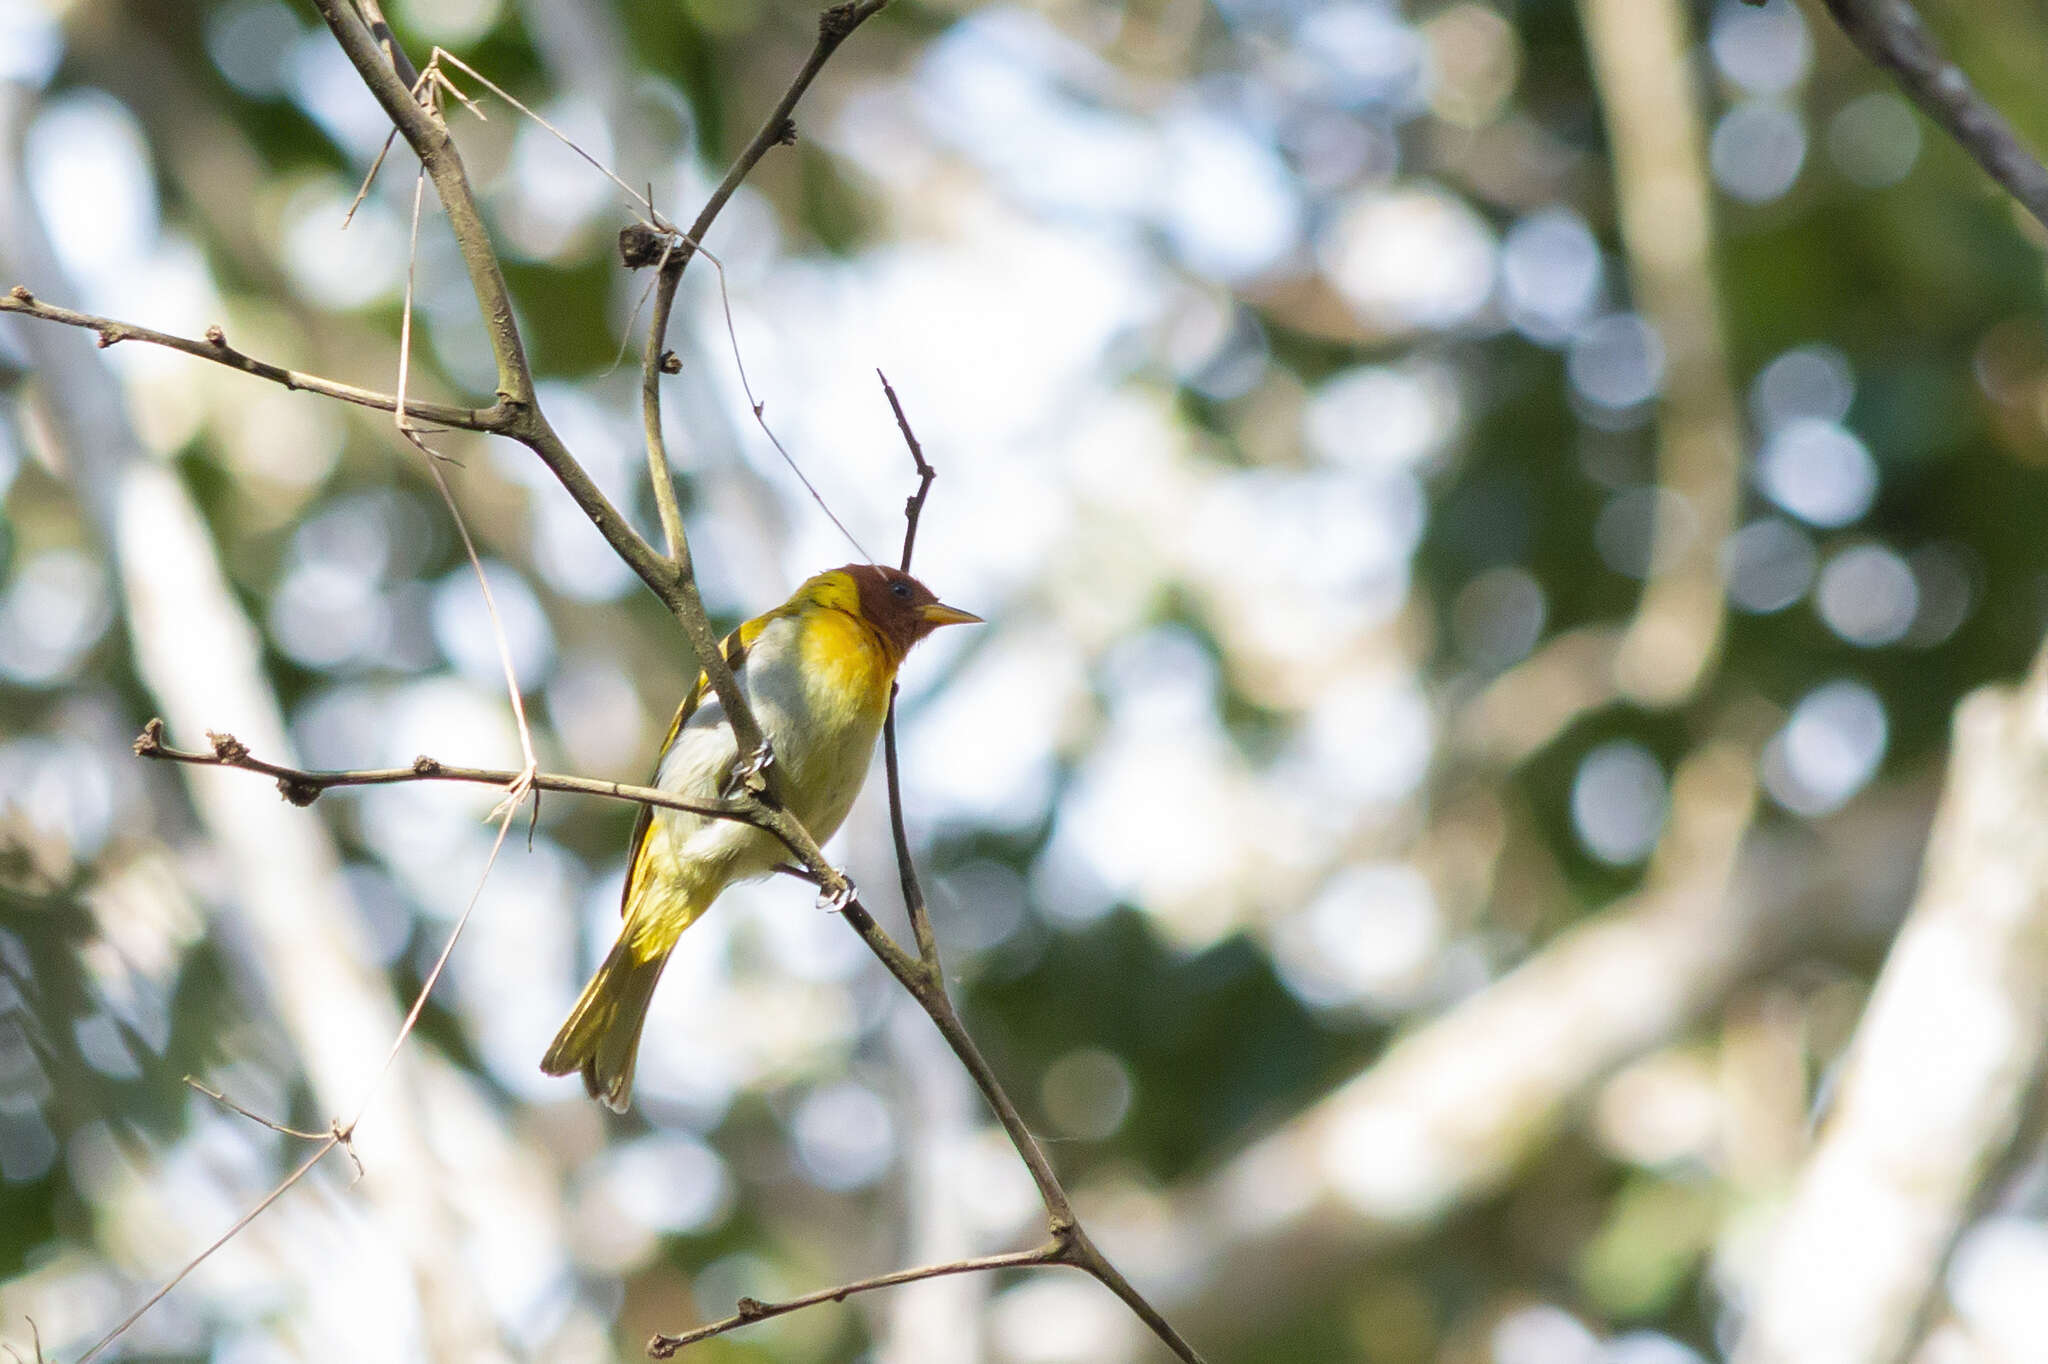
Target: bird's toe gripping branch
{"points": [[750, 772], [836, 899]]}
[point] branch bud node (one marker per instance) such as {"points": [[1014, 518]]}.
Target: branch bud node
{"points": [[426, 767], [671, 363], [298, 790], [227, 748], [216, 337], [640, 245], [20, 294]]}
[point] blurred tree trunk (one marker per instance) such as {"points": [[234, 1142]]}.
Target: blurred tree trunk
{"points": [[1939, 1072]]}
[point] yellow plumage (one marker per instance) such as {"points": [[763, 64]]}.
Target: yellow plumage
{"points": [[816, 672]]}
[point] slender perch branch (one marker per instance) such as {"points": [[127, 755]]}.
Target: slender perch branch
{"points": [[1891, 34], [215, 347], [752, 1309], [906, 868], [913, 506], [302, 786]]}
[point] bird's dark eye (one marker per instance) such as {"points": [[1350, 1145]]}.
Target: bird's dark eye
{"points": [[901, 589]]}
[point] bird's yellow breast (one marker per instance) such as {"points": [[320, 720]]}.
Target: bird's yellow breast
{"points": [[846, 670]]}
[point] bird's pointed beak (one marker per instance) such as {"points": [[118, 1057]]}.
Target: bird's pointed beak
{"points": [[938, 613]]}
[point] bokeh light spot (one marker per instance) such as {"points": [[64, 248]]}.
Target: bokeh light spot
{"points": [[844, 1136], [1868, 595], [1618, 802], [1874, 139], [1087, 1093], [1768, 565], [1818, 471], [1828, 750], [1757, 150]]}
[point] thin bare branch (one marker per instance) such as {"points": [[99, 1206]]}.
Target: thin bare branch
{"points": [[214, 346], [336, 1131], [303, 786], [759, 407], [913, 506], [753, 1309], [1891, 33], [339, 1133], [442, 54], [835, 26], [225, 1102], [906, 867], [926, 986], [659, 472], [373, 17]]}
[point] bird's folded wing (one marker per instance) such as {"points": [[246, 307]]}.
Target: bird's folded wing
{"points": [[734, 647]]}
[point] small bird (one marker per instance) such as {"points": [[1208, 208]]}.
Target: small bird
{"points": [[817, 671]]}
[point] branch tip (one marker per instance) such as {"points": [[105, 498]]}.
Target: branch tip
{"points": [[150, 743], [838, 21]]}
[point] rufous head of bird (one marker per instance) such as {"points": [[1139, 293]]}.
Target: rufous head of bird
{"points": [[901, 609]]}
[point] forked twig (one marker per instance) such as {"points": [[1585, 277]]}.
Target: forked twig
{"points": [[913, 506], [334, 1130], [752, 1310]]}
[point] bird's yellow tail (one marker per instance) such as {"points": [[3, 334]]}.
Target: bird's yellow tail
{"points": [[602, 1036]]}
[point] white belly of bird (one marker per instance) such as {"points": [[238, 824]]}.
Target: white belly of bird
{"points": [[823, 740]]}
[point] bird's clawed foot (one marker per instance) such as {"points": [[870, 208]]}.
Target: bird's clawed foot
{"points": [[750, 773], [835, 899]]}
